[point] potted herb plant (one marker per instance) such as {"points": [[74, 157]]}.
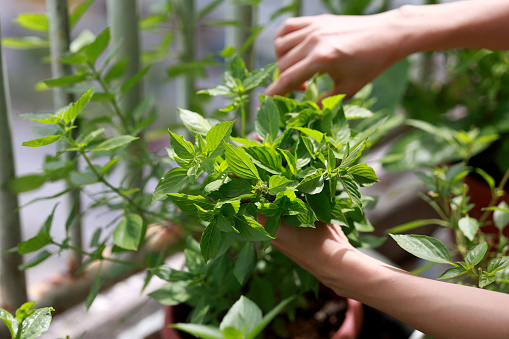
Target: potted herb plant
{"points": [[303, 166]]}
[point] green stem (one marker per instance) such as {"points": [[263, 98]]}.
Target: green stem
{"points": [[113, 260], [116, 107], [243, 117], [495, 197]]}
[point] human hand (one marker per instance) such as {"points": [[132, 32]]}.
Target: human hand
{"points": [[323, 251], [352, 50]]}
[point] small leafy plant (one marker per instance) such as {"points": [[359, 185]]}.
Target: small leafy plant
{"points": [[477, 258], [28, 323], [301, 164]]}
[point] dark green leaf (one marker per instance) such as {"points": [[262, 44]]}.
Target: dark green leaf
{"points": [[267, 121], [172, 182], [235, 188], [351, 189], [78, 12], [250, 230], [200, 331], [320, 204], [245, 263], [187, 203], [127, 234], [312, 184], [215, 242], [259, 326], [424, 247], [26, 183], [40, 257], [486, 279], [117, 70]]}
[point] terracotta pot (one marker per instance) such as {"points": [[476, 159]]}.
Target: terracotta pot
{"points": [[350, 329]]}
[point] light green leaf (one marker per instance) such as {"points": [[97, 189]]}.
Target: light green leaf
{"points": [[351, 189], [244, 315], [266, 157], [357, 112], [27, 42], [256, 77], [66, 81], [26, 183], [200, 331], [476, 254], [501, 218], [452, 273], [217, 135], [194, 122], [424, 247], [8, 320], [468, 226], [488, 178], [78, 12], [312, 184], [332, 101], [417, 223], [37, 323], [96, 48], [352, 154], [42, 141], [37, 22], [485, 279], [267, 121], [184, 149], [172, 182], [113, 143], [314, 134], [497, 264], [127, 235], [240, 163], [216, 91], [363, 175], [291, 161], [280, 184], [73, 111]]}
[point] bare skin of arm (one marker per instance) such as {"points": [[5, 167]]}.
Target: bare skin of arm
{"points": [[354, 50], [439, 309]]}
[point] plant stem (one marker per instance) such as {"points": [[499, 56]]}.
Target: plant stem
{"points": [[116, 107], [243, 117], [13, 290], [495, 197]]}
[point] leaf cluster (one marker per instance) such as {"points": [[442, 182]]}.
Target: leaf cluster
{"points": [[28, 323]]}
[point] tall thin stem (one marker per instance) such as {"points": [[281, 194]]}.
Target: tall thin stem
{"points": [[59, 44], [13, 284]]}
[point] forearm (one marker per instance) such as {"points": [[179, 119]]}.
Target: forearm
{"points": [[462, 24], [439, 309]]}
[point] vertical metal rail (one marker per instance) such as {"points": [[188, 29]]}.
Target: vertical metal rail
{"points": [[236, 36], [12, 281], [123, 22], [59, 45], [187, 51]]}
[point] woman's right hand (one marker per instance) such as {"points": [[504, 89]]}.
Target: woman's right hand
{"points": [[353, 50]]}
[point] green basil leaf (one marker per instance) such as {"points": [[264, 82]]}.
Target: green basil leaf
{"points": [[500, 217], [363, 175], [320, 204], [452, 273], [113, 143], [243, 316], [468, 226], [279, 184], [476, 254], [127, 234], [497, 264], [265, 157], [42, 141], [250, 230], [73, 111], [172, 294], [200, 331], [267, 121], [351, 189], [187, 203], [194, 122], [215, 242], [37, 22], [312, 184], [216, 136], [172, 182], [424, 247], [357, 112], [240, 163], [184, 149], [66, 81], [486, 279], [245, 263]]}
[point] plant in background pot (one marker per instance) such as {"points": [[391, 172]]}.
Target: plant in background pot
{"points": [[304, 167]]}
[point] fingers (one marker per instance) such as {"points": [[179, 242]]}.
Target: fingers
{"points": [[292, 78], [287, 42], [294, 24]]}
